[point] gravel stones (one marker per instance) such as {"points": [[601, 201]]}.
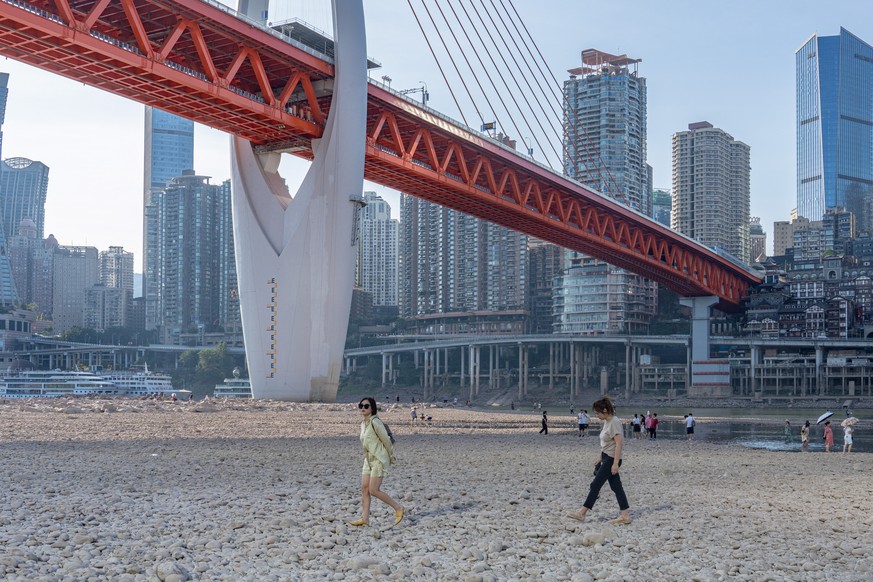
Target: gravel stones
{"points": [[135, 491]]}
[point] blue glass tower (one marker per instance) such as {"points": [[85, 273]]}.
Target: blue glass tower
{"points": [[169, 150], [835, 127]]}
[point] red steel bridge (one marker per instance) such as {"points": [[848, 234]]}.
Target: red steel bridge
{"points": [[201, 60]]}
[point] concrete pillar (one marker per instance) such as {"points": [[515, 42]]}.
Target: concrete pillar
{"points": [[754, 362], [551, 366], [463, 353], [384, 367], [497, 364], [391, 375], [700, 316], [820, 385]]}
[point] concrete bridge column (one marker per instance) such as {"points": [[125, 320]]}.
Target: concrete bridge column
{"points": [[472, 365], [497, 365], [463, 353], [384, 367], [491, 367], [754, 361], [820, 384], [526, 362], [551, 366], [392, 377], [425, 370]]}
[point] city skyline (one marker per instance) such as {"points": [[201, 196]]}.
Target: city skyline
{"points": [[749, 88]]}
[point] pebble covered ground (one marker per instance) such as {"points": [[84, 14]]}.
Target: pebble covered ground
{"points": [[129, 490]]}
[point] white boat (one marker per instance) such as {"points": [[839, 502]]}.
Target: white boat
{"points": [[55, 383], [235, 387], [142, 382]]}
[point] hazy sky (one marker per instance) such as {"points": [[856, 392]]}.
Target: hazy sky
{"points": [[729, 63]]}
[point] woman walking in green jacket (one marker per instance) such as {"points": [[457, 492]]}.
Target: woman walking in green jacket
{"points": [[378, 454]]}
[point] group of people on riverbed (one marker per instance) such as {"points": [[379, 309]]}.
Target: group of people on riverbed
{"points": [[827, 436]]}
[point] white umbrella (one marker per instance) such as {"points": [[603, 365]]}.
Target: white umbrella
{"points": [[849, 421], [824, 417]]}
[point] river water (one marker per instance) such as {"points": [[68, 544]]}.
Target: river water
{"points": [[762, 428]]}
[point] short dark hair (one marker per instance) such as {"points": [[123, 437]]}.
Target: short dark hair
{"points": [[604, 405], [372, 402]]}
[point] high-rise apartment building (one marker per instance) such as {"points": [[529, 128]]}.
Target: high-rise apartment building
{"points": [[23, 191], [452, 262], [196, 275], [115, 269], [711, 188], [662, 206], [545, 262], [32, 262], [757, 240], [169, 149], [605, 104], [835, 127], [75, 271], [377, 252], [106, 307], [605, 128], [783, 233]]}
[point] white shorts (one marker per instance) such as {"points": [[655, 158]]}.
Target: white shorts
{"points": [[847, 439]]}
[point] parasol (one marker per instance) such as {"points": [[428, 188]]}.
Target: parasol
{"points": [[824, 417], [849, 421]]}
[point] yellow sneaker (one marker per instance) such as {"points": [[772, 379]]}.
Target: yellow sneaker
{"points": [[398, 516], [358, 522]]}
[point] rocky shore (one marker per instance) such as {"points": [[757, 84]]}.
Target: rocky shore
{"points": [[141, 490]]}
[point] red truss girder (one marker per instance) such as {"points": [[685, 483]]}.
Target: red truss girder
{"points": [[413, 151], [183, 56]]}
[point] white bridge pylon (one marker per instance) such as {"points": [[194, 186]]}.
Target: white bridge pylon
{"points": [[295, 257]]}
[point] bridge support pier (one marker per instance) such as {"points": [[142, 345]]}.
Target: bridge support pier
{"points": [[708, 377], [295, 258]]}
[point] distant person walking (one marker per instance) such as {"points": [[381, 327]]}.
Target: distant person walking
{"points": [[848, 431], [804, 437], [414, 412], [545, 423], [828, 436], [648, 424], [584, 421], [788, 436], [690, 423], [607, 466], [653, 430], [378, 454]]}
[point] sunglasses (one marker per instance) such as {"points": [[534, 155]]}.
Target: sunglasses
{"points": [[364, 406]]}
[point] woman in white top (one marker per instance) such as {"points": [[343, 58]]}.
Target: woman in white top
{"points": [[607, 467], [847, 438]]}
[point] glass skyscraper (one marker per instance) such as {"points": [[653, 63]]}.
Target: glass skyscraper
{"points": [[169, 149], [835, 127]]}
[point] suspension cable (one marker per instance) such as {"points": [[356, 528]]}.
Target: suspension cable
{"points": [[439, 66], [472, 70], [506, 84]]}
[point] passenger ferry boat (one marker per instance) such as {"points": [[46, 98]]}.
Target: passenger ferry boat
{"points": [[235, 387], [55, 383], [142, 382]]}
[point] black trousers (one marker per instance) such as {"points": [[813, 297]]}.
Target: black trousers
{"points": [[545, 428], [604, 474]]}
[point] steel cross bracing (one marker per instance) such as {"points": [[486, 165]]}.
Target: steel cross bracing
{"points": [[202, 61]]}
